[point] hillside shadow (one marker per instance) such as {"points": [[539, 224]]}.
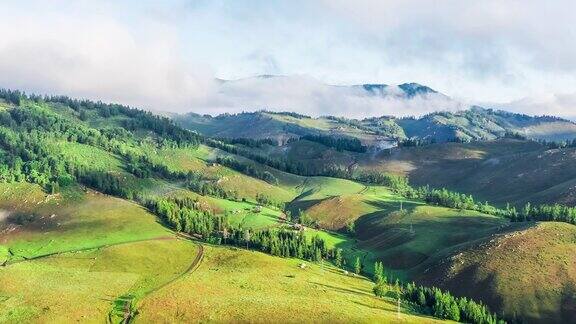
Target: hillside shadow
{"points": [[31, 222], [391, 206], [568, 303], [304, 194], [403, 243], [296, 206]]}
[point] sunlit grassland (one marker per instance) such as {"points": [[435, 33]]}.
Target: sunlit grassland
{"points": [[88, 286], [245, 286], [71, 220]]}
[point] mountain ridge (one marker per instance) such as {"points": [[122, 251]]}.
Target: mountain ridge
{"points": [[476, 123]]}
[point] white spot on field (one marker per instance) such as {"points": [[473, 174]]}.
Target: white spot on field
{"points": [[4, 215]]}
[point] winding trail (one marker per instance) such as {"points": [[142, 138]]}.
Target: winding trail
{"points": [[129, 311]]}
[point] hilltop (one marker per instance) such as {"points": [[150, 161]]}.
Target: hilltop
{"points": [[168, 216], [485, 161], [474, 124], [527, 270], [108, 211]]}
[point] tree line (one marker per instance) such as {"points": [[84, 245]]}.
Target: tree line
{"points": [[431, 300], [185, 215], [416, 142], [338, 143], [283, 164], [451, 199], [248, 168], [248, 142], [137, 118], [442, 304]]}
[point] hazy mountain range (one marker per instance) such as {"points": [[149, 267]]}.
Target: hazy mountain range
{"points": [[306, 95], [309, 96]]}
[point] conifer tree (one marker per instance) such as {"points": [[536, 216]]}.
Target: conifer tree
{"points": [[357, 266], [338, 258]]}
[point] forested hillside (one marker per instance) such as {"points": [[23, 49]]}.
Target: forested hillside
{"points": [[511, 169], [62, 154], [474, 124], [93, 193]]}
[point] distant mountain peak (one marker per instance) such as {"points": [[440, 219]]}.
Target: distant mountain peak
{"points": [[409, 90], [412, 89], [373, 87]]}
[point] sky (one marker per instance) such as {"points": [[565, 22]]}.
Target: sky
{"points": [[169, 55]]}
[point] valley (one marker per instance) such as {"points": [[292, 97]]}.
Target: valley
{"points": [[115, 214], [287, 162]]}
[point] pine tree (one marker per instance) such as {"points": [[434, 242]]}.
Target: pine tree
{"points": [[526, 211], [379, 272], [247, 237], [357, 266], [380, 289], [317, 255], [421, 298], [338, 258]]}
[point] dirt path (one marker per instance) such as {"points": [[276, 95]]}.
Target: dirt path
{"points": [[193, 266], [129, 311]]}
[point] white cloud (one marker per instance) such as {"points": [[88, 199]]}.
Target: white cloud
{"points": [[165, 55], [479, 50], [309, 96], [99, 56], [562, 105]]}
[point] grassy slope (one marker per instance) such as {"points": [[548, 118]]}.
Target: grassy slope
{"points": [[91, 157], [71, 220], [500, 171], [528, 272], [289, 186], [245, 214], [315, 189], [334, 212], [401, 239], [233, 180], [94, 281], [85, 286], [242, 286]]}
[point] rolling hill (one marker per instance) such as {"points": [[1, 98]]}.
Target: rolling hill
{"points": [[501, 171], [141, 220], [84, 236], [526, 272], [474, 124], [487, 164]]}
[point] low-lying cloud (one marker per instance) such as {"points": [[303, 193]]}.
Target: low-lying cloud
{"points": [[563, 105], [166, 56], [101, 58], [309, 96], [95, 56]]}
